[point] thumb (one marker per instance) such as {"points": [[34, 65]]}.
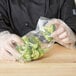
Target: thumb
{"points": [[58, 32]]}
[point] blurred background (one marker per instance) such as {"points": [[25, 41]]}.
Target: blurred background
{"points": [[75, 1]]}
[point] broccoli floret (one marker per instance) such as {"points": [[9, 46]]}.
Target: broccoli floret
{"points": [[48, 30]]}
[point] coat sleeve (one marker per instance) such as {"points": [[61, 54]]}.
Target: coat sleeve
{"points": [[4, 18], [67, 12]]}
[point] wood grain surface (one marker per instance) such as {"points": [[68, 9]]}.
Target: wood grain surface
{"points": [[58, 61]]}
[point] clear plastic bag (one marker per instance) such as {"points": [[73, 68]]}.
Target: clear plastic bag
{"points": [[37, 41], [41, 28]]}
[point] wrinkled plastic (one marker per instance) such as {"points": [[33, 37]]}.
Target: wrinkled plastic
{"points": [[42, 22]]}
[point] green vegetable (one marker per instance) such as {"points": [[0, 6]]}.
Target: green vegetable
{"points": [[32, 48], [48, 30]]}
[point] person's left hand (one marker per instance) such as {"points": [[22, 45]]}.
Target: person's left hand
{"points": [[63, 34]]}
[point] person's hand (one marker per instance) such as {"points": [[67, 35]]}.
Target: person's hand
{"points": [[8, 43], [63, 34]]}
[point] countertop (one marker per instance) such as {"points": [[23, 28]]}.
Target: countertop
{"points": [[58, 61]]}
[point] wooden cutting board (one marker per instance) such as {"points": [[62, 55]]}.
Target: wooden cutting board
{"points": [[58, 61]]}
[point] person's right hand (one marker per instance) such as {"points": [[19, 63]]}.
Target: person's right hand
{"points": [[63, 34], [8, 43]]}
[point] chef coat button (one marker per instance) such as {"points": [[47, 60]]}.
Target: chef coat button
{"points": [[27, 24]]}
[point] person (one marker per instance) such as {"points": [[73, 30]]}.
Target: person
{"points": [[18, 17]]}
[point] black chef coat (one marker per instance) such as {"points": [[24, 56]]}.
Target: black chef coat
{"points": [[21, 16]]}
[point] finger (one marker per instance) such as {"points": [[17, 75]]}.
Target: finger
{"points": [[13, 51], [4, 55], [66, 40], [63, 35], [16, 40], [57, 32]]}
